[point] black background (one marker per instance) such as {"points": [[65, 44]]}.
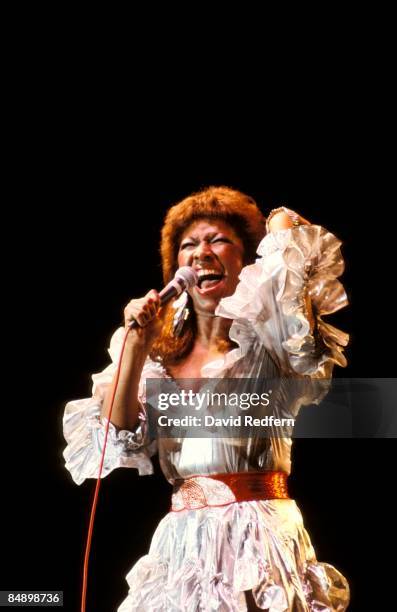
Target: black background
{"points": [[94, 178]]}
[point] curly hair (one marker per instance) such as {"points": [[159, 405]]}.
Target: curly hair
{"points": [[237, 209]]}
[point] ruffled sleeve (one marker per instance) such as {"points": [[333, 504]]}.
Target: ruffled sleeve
{"points": [[84, 430], [293, 263]]}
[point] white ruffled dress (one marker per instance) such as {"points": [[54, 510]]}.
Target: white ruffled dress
{"points": [[204, 559]]}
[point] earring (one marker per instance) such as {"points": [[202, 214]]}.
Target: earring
{"points": [[181, 314]]}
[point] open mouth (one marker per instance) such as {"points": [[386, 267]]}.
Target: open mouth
{"points": [[208, 279]]}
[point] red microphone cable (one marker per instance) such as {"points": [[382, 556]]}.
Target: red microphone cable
{"points": [[98, 484]]}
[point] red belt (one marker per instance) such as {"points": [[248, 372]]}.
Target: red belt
{"points": [[222, 489]]}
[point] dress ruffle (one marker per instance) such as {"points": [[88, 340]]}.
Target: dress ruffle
{"points": [[84, 430], [304, 260], [205, 560]]}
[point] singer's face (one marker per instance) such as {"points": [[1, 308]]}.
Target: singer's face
{"points": [[216, 253]]}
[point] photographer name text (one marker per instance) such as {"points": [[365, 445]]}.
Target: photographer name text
{"points": [[245, 420]]}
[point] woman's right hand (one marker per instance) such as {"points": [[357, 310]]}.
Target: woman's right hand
{"points": [[147, 312]]}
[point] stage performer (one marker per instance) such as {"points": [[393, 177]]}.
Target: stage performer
{"points": [[233, 539]]}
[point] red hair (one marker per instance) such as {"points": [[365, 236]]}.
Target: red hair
{"points": [[237, 209]]}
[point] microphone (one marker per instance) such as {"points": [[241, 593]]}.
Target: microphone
{"points": [[185, 277]]}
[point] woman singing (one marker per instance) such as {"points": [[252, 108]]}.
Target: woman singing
{"points": [[233, 540]]}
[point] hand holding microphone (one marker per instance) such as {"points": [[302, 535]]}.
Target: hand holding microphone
{"points": [[139, 313]]}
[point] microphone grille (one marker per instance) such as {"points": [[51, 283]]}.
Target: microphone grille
{"points": [[188, 275]]}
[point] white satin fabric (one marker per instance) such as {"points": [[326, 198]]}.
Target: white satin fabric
{"points": [[204, 559]]}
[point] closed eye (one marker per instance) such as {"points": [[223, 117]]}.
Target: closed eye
{"points": [[222, 240], [186, 244]]}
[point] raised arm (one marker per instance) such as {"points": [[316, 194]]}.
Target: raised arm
{"points": [[284, 218], [285, 293]]}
